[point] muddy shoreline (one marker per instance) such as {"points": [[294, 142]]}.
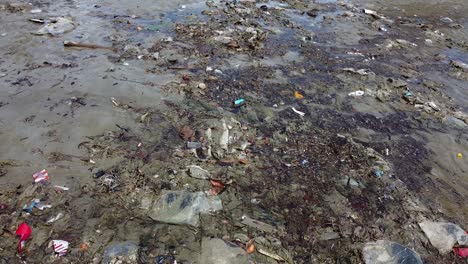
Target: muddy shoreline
{"points": [[233, 132]]}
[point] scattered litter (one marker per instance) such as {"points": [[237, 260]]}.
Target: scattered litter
{"points": [[388, 252], [35, 11], [36, 20], [202, 86], [379, 173], [369, 12], [258, 224], [57, 27], [446, 20], [218, 187], [460, 64], [298, 112], [271, 255], [462, 252], [459, 155], [60, 247], [194, 145], [41, 176], [356, 93], [40, 205], [3, 207], [125, 252], [218, 251], [239, 102], [250, 247], [444, 236], [298, 95], [29, 209], [166, 259], [383, 29], [182, 207], [67, 43], [24, 232], [433, 106], [62, 188], [54, 218], [224, 139]]}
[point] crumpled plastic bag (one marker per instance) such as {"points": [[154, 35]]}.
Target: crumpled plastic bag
{"points": [[388, 252], [444, 236], [57, 27]]}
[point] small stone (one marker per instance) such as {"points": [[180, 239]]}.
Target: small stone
{"points": [[198, 172], [202, 86]]}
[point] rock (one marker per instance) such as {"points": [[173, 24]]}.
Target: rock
{"points": [[313, 12], [216, 251], [198, 173], [388, 252], [182, 207], [444, 236], [125, 252], [57, 27]]}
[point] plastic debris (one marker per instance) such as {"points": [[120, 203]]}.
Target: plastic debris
{"points": [[224, 139], [193, 145], [460, 65], [41, 176], [62, 188], [444, 236], [218, 251], [29, 209], [239, 102], [459, 155], [462, 252], [36, 20], [363, 72], [433, 106], [446, 20], [218, 187], [3, 207], [298, 112], [250, 247], [356, 93], [57, 27], [379, 173], [271, 255], [24, 232], [388, 252], [54, 218], [166, 259], [182, 207], [35, 11], [60, 247], [40, 205], [298, 95], [125, 252], [258, 224]]}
